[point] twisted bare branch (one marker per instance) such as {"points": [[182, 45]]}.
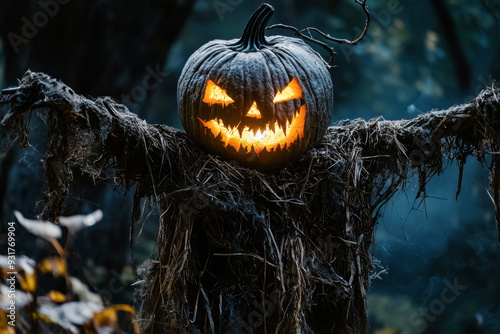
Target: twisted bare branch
{"points": [[308, 30]]}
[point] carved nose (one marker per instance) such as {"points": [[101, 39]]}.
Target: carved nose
{"points": [[254, 111]]}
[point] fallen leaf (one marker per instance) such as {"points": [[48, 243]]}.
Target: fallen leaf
{"points": [[53, 265], [56, 296]]}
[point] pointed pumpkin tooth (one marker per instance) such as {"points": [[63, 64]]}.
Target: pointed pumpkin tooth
{"points": [[279, 122], [262, 128], [289, 116], [241, 128], [255, 127], [224, 117], [282, 119], [282, 124], [233, 142]]}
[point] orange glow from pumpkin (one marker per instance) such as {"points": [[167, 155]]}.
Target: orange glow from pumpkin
{"points": [[290, 92], [270, 139], [254, 112], [215, 94]]}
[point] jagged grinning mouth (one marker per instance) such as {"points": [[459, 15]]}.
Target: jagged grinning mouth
{"points": [[268, 139]]}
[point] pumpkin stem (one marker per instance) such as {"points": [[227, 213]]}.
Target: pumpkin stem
{"points": [[253, 38]]}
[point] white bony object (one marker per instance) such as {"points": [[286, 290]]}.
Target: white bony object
{"points": [[40, 228], [78, 222]]}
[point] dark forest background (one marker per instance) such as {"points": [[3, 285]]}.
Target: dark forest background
{"points": [[418, 56]]}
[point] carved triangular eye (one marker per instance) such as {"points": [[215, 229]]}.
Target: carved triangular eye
{"points": [[290, 92], [215, 94], [254, 112]]}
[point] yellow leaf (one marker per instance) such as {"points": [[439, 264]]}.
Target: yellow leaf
{"points": [[28, 282], [54, 265], [124, 308], [42, 317], [56, 296], [395, 330], [4, 327], [109, 317], [89, 328], [106, 318], [129, 309]]}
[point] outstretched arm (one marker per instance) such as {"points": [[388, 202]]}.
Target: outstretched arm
{"points": [[91, 135], [94, 134]]}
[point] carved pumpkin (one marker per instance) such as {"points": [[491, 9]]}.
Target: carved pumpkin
{"points": [[260, 101]]}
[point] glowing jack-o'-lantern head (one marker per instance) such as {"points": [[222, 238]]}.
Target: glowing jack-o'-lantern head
{"points": [[262, 102], [254, 133]]}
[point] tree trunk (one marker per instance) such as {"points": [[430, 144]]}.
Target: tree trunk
{"points": [[240, 250]]}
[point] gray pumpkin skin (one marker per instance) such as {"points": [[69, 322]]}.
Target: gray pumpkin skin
{"points": [[254, 69]]}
